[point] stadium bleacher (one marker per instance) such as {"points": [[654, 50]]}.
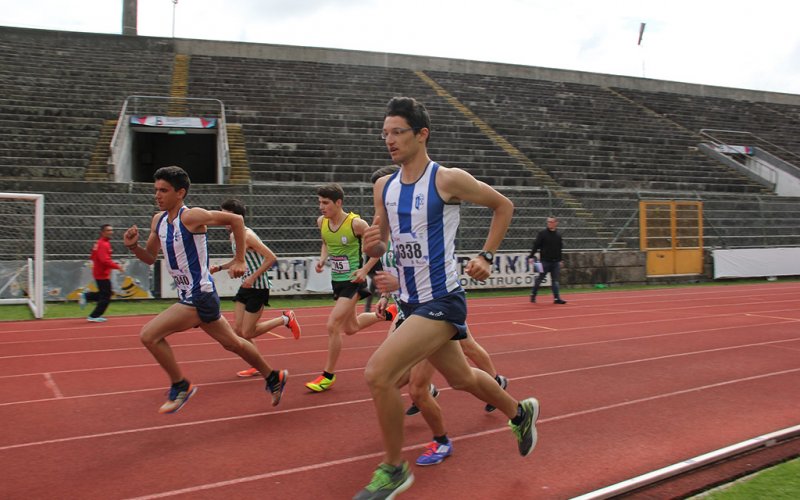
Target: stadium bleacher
{"points": [[585, 151]]}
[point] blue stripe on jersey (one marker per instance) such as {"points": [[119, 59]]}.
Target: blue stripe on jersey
{"points": [[183, 249], [386, 187], [436, 249], [191, 256], [170, 250], [405, 273], [409, 278], [404, 205], [172, 258]]}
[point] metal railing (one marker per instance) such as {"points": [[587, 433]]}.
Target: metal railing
{"points": [[753, 164]]}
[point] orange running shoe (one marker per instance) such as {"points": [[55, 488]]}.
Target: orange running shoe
{"points": [[250, 372], [391, 312], [276, 389], [178, 396], [292, 324], [321, 384]]}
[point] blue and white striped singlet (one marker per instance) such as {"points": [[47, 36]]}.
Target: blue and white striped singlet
{"points": [[423, 229], [187, 257]]}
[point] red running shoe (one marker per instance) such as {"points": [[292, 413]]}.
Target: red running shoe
{"points": [[292, 324]]}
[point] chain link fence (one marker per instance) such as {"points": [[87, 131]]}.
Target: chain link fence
{"points": [[285, 214]]}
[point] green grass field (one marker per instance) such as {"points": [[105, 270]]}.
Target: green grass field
{"points": [[776, 483], [55, 310]]}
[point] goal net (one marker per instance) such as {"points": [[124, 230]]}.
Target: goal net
{"points": [[22, 250]]}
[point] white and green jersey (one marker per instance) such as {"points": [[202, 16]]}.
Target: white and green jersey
{"points": [[387, 260], [389, 265], [253, 260]]}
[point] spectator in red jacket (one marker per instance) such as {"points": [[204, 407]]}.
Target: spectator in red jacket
{"points": [[101, 270]]}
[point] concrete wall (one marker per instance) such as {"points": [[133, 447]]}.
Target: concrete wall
{"points": [[622, 267], [609, 268]]}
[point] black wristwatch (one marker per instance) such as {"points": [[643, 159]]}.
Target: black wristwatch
{"points": [[489, 256]]}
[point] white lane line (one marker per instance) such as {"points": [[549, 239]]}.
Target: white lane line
{"points": [[51, 384], [174, 426], [532, 326], [267, 475], [770, 343], [359, 401], [161, 389], [567, 329], [348, 460], [772, 317]]}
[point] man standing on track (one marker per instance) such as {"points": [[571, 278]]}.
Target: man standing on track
{"points": [[181, 234], [419, 207], [102, 264], [548, 245]]}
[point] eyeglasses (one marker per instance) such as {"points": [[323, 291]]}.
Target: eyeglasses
{"points": [[397, 131]]}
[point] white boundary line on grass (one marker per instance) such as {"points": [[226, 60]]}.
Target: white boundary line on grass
{"points": [[763, 441]]}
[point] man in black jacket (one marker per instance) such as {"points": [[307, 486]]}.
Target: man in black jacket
{"points": [[549, 245]]}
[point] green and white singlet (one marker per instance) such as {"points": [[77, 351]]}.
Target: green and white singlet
{"points": [[253, 260]]}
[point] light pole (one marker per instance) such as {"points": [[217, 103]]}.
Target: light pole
{"points": [[174, 4], [639, 43]]}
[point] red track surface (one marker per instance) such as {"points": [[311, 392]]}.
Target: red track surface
{"points": [[629, 382]]}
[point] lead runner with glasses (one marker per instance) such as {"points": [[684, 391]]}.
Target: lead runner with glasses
{"points": [[418, 207]]}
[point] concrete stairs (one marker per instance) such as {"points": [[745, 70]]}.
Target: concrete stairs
{"points": [[539, 176], [240, 168], [179, 89], [98, 163]]}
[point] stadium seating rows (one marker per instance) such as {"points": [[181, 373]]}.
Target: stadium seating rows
{"points": [[587, 153]]}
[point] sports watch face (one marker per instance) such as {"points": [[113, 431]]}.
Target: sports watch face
{"points": [[489, 256]]}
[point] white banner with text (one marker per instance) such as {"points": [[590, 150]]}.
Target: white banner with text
{"points": [[298, 276]]}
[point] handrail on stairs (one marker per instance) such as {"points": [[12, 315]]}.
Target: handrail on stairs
{"points": [[762, 168]]}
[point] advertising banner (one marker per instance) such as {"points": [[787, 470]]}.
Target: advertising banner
{"points": [[173, 121], [65, 279], [298, 276]]}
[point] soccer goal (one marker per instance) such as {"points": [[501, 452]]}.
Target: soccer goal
{"points": [[22, 260]]}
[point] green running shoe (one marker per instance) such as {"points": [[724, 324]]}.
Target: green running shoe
{"points": [[525, 432], [387, 482]]}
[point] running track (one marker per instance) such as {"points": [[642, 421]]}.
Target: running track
{"points": [[629, 382]]}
